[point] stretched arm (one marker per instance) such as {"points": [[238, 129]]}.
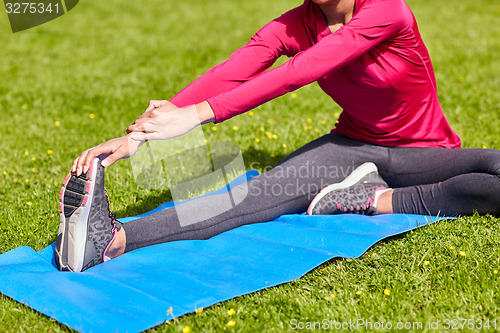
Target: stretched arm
{"points": [[375, 23], [246, 63]]}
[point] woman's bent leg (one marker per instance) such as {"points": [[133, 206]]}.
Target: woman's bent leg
{"points": [[444, 181], [287, 188]]}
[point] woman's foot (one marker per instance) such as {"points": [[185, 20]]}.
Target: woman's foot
{"points": [[87, 227], [357, 194]]}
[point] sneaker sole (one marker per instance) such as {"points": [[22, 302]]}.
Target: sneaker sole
{"points": [[358, 174], [75, 200]]}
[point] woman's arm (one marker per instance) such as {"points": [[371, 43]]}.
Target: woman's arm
{"points": [[375, 23], [247, 62]]}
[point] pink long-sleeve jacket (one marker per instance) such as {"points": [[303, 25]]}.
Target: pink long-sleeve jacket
{"points": [[376, 68]]}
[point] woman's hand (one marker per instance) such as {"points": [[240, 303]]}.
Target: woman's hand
{"points": [[163, 120], [115, 149]]}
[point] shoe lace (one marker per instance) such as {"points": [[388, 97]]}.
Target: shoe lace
{"points": [[111, 214]]}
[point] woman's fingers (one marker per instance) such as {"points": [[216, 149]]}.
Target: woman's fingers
{"points": [[112, 158], [143, 128], [82, 163], [112, 150], [153, 104], [140, 136], [145, 117], [79, 162]]}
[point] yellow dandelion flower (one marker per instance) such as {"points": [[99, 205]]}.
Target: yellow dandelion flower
{"points": [[293, 95], [462, 253], [186, 329], [436, 254], [309, 120], [332, 296], [26, 153], [323, 122], [359, 293], [427, 262], [33, 159], [284, 145], [5, 173], [275, 136], [451, 247], [21, 234], [57, 123], [33, 169], [29, 203], [257, 140], [326, 298], [387, 292], [214, 128], [272, 155], [251, 113], [198, 311], [27, 180], [323, 269], [92, 116], [50, 151], [269, 135], [231, 323], [231, 312], [495, 272], [235, 128], [316, 130], [484, 147]]}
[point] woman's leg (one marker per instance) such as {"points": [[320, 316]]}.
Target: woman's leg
{"points": [[287, 188], [443, 181]]}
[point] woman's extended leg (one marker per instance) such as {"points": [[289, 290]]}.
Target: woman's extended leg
{"points": [[287, 188], [88, 234]]}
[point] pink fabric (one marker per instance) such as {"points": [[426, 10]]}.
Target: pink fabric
{"points": [[376, 68]]}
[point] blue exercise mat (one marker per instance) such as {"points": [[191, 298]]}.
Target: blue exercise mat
{"points": [[144, 288]]}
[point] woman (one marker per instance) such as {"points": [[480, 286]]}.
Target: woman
{"points": [[369, 57]]}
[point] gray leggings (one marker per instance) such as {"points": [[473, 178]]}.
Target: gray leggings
{"points": [[432, 181]]}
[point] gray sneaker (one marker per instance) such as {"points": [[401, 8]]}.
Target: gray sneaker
{"points": [[355, 194], [87, 227]]}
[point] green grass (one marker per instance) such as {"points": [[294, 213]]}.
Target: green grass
{"points": [[110, 58]]}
